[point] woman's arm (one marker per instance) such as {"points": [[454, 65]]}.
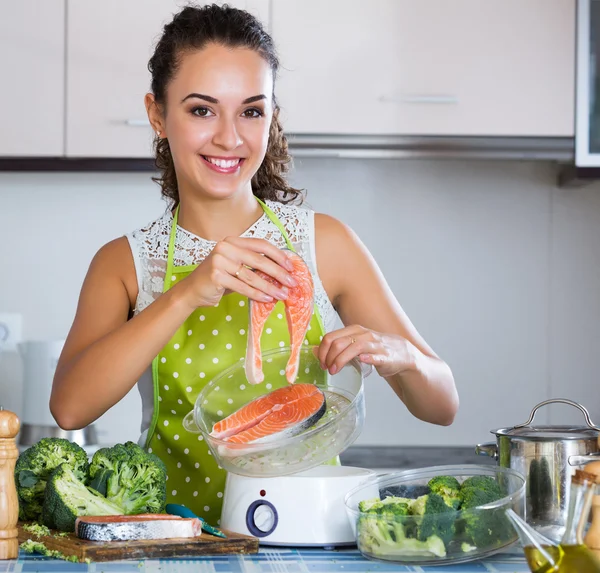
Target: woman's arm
{"points": [[105, 354], [377, 329]]}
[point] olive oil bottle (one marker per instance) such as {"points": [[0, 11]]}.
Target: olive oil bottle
{"points": [[571, 555]]}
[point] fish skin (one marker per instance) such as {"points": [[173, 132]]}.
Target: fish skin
{"points": [[143, 527], [298, 311], [273, 416]]}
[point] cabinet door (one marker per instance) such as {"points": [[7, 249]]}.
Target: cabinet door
{"points": [[32, 40], [109, 45], [427, 67]]}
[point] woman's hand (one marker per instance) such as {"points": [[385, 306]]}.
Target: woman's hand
{"points": [[389, 353], [230, 268]]}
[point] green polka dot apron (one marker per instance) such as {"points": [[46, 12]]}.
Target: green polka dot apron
{"points": [[209, 341]]}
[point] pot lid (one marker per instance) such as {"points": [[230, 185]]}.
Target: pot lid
{"points": [[548, 433]]}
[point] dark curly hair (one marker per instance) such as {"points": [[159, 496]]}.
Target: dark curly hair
{"points": [[194, 28]]}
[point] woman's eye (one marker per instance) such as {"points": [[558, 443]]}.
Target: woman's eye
{"points": [[253, 112], [201, 111]]}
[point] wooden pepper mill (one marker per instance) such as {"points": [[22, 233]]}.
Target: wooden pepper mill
{"points": [[9, 503], [592, 538]]}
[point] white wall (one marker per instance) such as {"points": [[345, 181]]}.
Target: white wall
{"points": [[498, 269]]}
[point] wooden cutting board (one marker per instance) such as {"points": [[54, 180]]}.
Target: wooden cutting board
{"points": [[205, 544]]}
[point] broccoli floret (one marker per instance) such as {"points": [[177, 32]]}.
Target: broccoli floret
{"points": [[130, 477], [384, 537], [68, 498], [484, 483], [448, 488], [484, 527], [436, 517], [367, 505], [34, 467]]}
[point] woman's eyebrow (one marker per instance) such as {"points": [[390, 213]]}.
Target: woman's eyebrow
{"points": [[211, 99]]}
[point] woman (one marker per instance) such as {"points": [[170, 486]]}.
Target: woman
{"points": [[173, 294]]}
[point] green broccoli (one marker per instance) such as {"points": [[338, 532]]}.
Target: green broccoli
{"points": [[30, 546], [436, 517], [484, 527], [484, 483], [448, 488], [130, 477], [34, 467], [67, 498], [383, 537]]}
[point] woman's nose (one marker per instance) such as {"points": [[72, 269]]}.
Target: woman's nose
{"points": [[226, 135]]}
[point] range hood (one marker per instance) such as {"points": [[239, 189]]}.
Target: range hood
{"points": [[559, 149]]}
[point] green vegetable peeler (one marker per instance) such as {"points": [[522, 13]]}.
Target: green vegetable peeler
{"points": [[182, 511]]}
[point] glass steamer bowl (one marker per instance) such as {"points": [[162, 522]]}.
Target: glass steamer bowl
{"points": [[331, 434]]}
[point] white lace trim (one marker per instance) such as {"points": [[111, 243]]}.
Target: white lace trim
{"points": [[150, 246]]}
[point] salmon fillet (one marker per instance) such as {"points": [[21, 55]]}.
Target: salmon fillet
{"points": [[285, 412], [298, 312], [259, 313], [130, 527]]}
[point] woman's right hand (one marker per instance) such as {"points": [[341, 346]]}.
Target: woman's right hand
{"points": [[230, 268]]}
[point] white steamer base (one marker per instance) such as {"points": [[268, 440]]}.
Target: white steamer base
{"points": [[303, 509]]}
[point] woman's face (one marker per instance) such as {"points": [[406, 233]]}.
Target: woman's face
{"points": [[218, 113]]}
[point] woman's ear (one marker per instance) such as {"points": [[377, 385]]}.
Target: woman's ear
{"points": [[155, 116]]}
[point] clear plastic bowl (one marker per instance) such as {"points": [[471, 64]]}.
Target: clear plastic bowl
{"points": [[412, 484], [334, 432]]}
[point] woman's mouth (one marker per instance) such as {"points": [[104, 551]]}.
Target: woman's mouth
{"points": [[223, 164]]}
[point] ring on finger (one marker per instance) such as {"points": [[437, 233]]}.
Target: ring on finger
{"points": [[352, 340], [237, 273]]}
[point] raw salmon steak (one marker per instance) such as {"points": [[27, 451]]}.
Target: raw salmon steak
{"points": [[283, 413], [259, 313], [298, 311], [130, 527]]}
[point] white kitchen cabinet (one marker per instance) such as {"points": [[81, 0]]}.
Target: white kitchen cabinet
{"points": [[108, 48], [32, 87], [426, 67]]}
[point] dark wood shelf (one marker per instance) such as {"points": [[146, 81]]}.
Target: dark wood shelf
{"points": [[85, 164]]}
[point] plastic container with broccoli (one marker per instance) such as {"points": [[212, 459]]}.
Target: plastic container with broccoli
{"points": [[436, 515]]}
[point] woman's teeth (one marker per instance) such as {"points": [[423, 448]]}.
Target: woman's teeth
{"points": [[223, 163]]}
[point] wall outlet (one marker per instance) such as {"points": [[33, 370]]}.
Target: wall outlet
{"points": [[11, 330]]}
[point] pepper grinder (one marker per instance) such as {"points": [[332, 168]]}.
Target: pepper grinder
{"points": [[592, 538], [9, 503]]}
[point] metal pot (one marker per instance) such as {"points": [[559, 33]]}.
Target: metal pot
{"points": [[547, 456]]}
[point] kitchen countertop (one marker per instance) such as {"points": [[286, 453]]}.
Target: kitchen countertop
{"points": [[268, 560], [407, 457]]}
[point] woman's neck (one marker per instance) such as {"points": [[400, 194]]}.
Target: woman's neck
{"points": [[215, 219]]}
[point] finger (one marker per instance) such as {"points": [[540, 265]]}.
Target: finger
{"points": [[233, 284], [330, 338], [271, 287], [351, 351], [264, 247], [266, 265]]}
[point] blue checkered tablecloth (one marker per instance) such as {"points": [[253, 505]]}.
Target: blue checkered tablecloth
{"points": [[267, 560]]}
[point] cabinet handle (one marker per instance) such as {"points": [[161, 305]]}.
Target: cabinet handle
{"points": [[429, 99], [137, 122]]}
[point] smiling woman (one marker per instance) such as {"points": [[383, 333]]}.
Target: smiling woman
{"points": [[166, 307]]}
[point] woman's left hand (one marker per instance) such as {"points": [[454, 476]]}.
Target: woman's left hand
{"points": [[389, 353]]}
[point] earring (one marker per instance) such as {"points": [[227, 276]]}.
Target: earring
{"points": [[157, 133]]}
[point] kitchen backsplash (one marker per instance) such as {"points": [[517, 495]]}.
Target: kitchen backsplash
{"points": [[497, 267]]}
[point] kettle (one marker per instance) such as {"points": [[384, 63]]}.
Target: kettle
{"points": [[39, 365]]}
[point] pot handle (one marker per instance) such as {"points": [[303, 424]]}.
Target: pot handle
{"points": [[584, 459], [488, 449], [585, 413]]}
